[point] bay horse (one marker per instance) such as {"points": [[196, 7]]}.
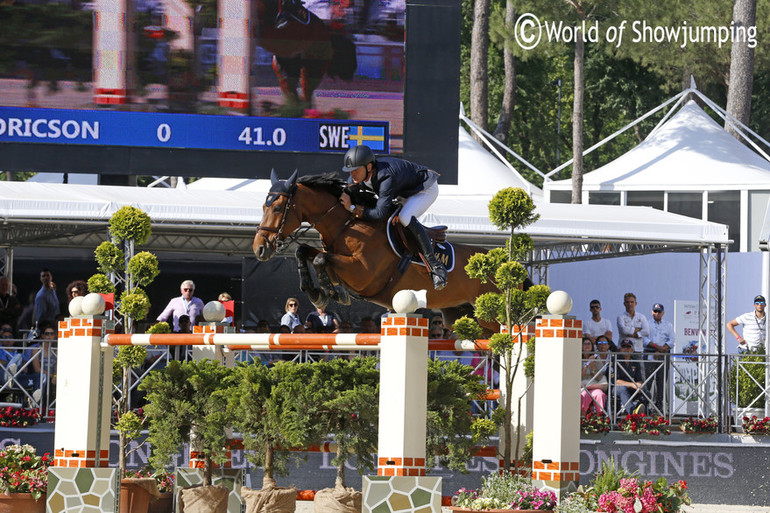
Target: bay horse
{"points": [[357, 255], [304, 50]]}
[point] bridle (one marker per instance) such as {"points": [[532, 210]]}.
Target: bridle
{"points": [[282, 241]]}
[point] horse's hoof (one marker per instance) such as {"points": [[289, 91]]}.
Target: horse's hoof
{"points": [[341, 295]]}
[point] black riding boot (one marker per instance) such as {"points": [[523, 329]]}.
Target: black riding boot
{"points": [[437, 269]]}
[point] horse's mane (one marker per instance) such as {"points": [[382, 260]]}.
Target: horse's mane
{"points": [[327, 182], [332, 184]]}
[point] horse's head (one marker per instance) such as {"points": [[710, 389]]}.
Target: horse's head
{"points": [[279, 219]]}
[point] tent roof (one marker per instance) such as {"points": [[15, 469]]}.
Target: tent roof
{"points": [[221, 221], [690, 152], [479, 172]]}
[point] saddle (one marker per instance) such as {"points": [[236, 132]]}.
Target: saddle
{"points": [[403, 245]]}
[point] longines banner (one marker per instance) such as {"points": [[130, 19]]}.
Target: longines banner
{"points": [[719, 469]]}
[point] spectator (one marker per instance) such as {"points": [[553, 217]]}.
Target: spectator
{"points": [[262, 327], [604, 347], [46, 302], [368, 326], [436, 332], [291, 317], [658, 345], [593, 385], [185, 325], [628, 380], [75, 289], [632, 325], [43, 372], [322, 321], [596, 326], [10, 308], [224, 298], [186, 304], [753, 326], [11, 359]]}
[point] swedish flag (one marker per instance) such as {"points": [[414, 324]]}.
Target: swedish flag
{"points": [[372, 136]]}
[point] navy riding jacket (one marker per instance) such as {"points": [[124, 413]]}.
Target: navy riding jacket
{"points": [[395, 178]]}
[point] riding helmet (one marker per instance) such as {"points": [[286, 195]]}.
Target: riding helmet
{"points": [[357, 156]]}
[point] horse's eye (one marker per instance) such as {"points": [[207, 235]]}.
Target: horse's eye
{"points": [[277, 209]]}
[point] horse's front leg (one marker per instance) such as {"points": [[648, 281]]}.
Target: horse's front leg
{"points": [[326, 279], [288, 79], [316, 295]]}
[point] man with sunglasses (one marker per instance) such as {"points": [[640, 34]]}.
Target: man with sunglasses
{"points": [[596, 326], [753, 326], [186, 304]]}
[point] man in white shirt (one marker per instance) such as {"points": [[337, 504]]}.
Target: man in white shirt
{"points": [[596, 326], [753, 326], [632, 324]]}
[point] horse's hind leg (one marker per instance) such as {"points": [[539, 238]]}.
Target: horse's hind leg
{"points": [[316, 295]]}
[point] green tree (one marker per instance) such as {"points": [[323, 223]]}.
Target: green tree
{"points": [[510, 209], [452, 431], [271, 406], [346, 393], [184, 404]]}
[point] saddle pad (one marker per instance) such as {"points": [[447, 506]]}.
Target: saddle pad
{"points": [[444, 251]]}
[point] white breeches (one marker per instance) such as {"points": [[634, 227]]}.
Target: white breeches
{"points": [[417, 205]]}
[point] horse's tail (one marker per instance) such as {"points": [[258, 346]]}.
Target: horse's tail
{"points": [[344, 63]]}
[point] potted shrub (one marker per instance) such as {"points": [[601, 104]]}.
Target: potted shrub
{"points": [[756, 425], [184, 405], [345, 393], [510, 209], [23, 479], [270, 406]]}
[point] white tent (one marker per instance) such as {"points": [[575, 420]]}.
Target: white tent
{"points": [[690, 165], [478, 172]]}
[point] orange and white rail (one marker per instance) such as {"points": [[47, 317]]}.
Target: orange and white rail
{"points": [[278, 341]]}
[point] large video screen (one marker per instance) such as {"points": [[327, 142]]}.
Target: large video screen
{"points": [[211, 87]]}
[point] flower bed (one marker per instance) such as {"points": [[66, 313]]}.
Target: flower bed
{"points": [[505, 491], [640, 423], [595, 423], [18, 417], [756, 426], [697, 425], [23, 471]]}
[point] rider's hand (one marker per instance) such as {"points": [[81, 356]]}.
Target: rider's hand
{"points": [[345, 200]]}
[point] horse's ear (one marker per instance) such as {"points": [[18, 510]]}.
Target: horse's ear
{"points": [[293, 178], [273, 177]]}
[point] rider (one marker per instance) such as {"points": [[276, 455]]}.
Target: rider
{"points": [[392, 178]]}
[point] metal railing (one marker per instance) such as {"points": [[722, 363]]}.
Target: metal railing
{"points": [[28, 375]]}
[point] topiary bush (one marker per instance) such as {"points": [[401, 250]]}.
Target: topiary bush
{"points": [[130, 223]]}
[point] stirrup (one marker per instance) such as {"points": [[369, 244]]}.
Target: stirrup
{"points": [[438, 275]]}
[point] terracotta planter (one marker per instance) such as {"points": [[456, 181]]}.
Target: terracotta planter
{"points": [[466, 510], [133, 498], [163, 505], [21, 503]]}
